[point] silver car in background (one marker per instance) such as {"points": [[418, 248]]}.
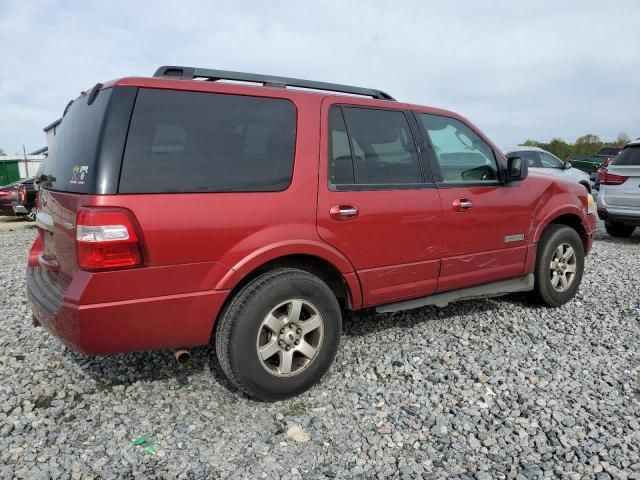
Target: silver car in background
{"points": [[547, 163], [619, 197]]}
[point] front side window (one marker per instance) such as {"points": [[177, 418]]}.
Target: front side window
{"points": [[204, 142], [462, 155], [373, 147], [549, 161]]}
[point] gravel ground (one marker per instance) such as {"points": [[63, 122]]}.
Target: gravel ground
{"points": [[481, 389]]}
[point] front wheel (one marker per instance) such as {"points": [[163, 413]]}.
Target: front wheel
{"points": [[559, 265], [279, 335], [616, 229]]}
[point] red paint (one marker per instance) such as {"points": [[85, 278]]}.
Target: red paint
{"points": [[196, 248]]}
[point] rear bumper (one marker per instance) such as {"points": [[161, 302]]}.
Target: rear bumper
{"points": [[20, 210], [169, 321], [619, 217]]}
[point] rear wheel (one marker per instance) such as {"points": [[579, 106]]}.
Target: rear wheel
{"points": [[279, 334], [559, 265], [616, 229]]}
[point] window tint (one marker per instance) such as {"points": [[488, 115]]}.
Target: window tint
{"points": [[71, 164], [341, 166], [382, 147], [549, 161], [462, 155], [609, 151], [203, 142], [628, 156]]}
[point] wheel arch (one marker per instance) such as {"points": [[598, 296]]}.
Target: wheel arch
{"points": [[570, 219], [316, 258], [586, 185]]}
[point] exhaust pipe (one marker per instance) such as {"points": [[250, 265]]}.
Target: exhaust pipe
{"points": [[183, 356]]}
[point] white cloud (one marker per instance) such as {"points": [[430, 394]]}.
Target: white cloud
{"points": [[518, 70]]}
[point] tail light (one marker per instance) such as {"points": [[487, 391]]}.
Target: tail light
{"points": [[107, 238], [607, 178], [22, 194]]}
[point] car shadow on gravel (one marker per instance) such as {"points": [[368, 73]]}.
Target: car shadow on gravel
{"points": [[147, 367], [159, 366], [606, 238], [367, 322]]}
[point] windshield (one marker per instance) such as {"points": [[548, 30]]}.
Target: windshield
{"points": [[70, 164]]}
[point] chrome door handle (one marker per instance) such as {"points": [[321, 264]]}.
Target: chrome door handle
{"points": [[343, 212], [462, 204]]}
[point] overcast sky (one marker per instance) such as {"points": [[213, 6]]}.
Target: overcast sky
{"points": [[516, 69]]}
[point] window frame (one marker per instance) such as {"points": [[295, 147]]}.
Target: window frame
{"points": [[435, 164], [416, 137]]}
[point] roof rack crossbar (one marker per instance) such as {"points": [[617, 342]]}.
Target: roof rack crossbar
{"points": [[266, 80]]}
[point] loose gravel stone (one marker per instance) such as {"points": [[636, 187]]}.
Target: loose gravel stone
{"points": [[481, 389]]}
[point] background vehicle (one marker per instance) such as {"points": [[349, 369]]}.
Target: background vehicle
{"points": [[24, 204], [549, 164], [18, 198], [313, 203], [591, 163], [619, 197]]}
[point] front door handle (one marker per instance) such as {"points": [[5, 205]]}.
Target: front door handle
{"points": [[343, 212], [462, 204]]}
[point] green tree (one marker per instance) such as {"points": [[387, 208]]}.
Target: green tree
{"points": [[588, 144], [559, 148], [622, 139], [530, 143]]}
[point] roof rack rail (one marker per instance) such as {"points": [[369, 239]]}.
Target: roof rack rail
{"points": [[266, 80]]}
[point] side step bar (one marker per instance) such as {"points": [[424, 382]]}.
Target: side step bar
{"points": [[495, 289]]}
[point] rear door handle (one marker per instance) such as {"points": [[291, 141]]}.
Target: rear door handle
{"points": [[343, 212], [462, 204]]}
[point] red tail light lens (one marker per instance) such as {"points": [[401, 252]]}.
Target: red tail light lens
{"points": [[22, 195], [107, 239], [610, 179]]}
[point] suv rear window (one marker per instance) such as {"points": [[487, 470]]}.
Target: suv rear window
{"points": [[609, 151], [628, 156], [71, 164], [204, 142]]}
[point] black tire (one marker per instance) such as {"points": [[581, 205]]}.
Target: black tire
{"points": [[240, 323], [552, 238], [616, 229]]}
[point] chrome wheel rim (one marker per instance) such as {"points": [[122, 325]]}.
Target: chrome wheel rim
{"points": [[563, 267], [290, 337]]}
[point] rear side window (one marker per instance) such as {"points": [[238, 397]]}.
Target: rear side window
{"points": [[628, 156], [71, 164], [373, 147], [204, 142]]}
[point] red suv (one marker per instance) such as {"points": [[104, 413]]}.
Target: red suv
{"points": [[181, 208]]}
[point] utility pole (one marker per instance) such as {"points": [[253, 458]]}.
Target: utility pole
{"points": [[26, 163]]}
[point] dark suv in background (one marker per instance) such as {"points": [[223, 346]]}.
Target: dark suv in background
{"points": [[180, 207]]}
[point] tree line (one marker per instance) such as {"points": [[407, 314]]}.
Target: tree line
{"points": [[585, 145]]}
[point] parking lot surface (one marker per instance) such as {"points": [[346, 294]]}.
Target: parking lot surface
{"points": [[481, 389]]}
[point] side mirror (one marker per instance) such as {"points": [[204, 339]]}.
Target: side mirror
{"points": [[517, 169], [566, 165]]}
